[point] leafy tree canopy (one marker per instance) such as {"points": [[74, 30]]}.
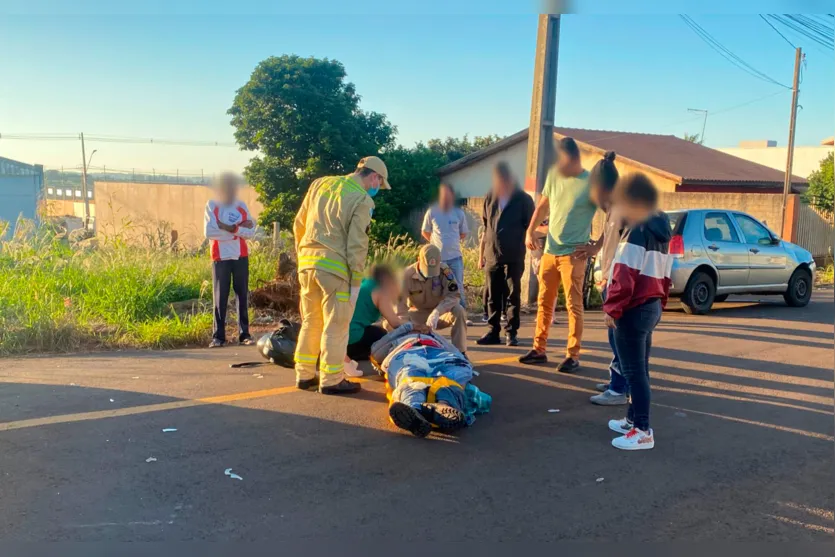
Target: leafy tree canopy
{"points": [[820, 192], [304, 119]]}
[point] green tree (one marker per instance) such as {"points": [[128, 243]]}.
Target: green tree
{"points": [[693, 138], [820, 192], [304, 120], [413, 173], [453, 148]]}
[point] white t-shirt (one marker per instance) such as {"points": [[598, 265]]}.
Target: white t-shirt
{"points": [[446, 228]]}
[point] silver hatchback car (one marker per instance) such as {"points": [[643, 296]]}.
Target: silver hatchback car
{"points": [[719, 252]]}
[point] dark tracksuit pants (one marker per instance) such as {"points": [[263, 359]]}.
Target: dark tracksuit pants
{"points": [[504, 284], [234, 273]]}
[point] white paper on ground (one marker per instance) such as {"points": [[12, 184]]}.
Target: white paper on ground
{"points": [[150, 459], [229, 473], [169, 429], [600, 480], [553, 410]]}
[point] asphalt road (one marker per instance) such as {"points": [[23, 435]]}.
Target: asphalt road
{"points": [[742, 410]]}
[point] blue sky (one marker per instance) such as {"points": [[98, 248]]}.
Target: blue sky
{"points": [[173, 76]]}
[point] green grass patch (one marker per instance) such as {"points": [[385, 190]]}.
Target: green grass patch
{"points": [[54, 297]]}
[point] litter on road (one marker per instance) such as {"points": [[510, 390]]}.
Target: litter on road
{"points": [[600, 480], [111, 400], [553, 410], [150, 459], [229, 473], [169, 429]]}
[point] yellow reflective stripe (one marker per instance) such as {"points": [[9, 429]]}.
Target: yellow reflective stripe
{"points": [[351, 184], [325, 263], [335, 368], [435, 384], [306, 358], [356, 275], [438, 384]]}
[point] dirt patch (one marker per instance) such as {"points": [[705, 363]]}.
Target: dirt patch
{"points": [[281, 295]]}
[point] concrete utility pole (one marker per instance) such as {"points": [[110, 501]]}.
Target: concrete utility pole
{"points": [[541, 130], [787, 181], [84, 183]]}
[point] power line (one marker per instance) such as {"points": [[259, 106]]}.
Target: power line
{"points": [[727, 53], [821, 33], [777, 30]]}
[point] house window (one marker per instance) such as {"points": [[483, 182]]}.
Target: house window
{"points": [[60, 193], [50, 191], [78, 193], [68, 193]]}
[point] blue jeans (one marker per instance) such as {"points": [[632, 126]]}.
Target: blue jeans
{"points": [[617, 383], [456, 265], [633, 341]]}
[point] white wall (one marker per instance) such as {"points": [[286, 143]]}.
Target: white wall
{"points": [[475, 179], [806, 159]]}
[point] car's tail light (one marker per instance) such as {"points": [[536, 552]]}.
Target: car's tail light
{"points": [[677, 246]]}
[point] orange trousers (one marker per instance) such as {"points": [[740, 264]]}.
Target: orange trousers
{"points": [[570, 272]]}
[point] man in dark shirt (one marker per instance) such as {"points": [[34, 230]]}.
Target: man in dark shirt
{"points": [[506, 215]]}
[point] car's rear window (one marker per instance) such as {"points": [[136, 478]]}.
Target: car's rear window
{"points": [[677, 220]]}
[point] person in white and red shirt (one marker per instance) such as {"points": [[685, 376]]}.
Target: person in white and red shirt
{"points": [[637, 290], [227, 225]]}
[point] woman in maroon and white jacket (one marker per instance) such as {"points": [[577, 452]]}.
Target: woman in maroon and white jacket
{"points": [[638, 288]]}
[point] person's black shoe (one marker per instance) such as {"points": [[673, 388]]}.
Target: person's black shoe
{"points": [[568, 365], [408, 418], [307, 384], [533, 358], [489, 338], [443, 415], [344, 387], [511, 340]]}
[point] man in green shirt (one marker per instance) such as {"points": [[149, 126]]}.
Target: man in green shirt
{"points": [[566, 203]]}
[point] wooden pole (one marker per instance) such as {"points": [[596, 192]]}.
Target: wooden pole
{"points": [[541, 130], [787, 181]]}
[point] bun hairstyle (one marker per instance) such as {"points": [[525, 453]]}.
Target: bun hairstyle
{"points": [[605, 173]]}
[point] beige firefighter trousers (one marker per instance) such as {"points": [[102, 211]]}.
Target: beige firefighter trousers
{"points": [[455, 318], [326, 311]]}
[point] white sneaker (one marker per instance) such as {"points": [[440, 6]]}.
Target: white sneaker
{"points": [[635, 440], [469, 322], [352, 369], [620, 426]]}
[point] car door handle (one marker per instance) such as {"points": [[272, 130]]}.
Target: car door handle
{"points": [[713, 247], [754, 250]]}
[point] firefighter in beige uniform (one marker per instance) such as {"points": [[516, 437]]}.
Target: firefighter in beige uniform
{"points": [[331, 234], [431, 295]]}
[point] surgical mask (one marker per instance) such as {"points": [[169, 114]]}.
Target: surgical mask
{"points": [[373, 191]]}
